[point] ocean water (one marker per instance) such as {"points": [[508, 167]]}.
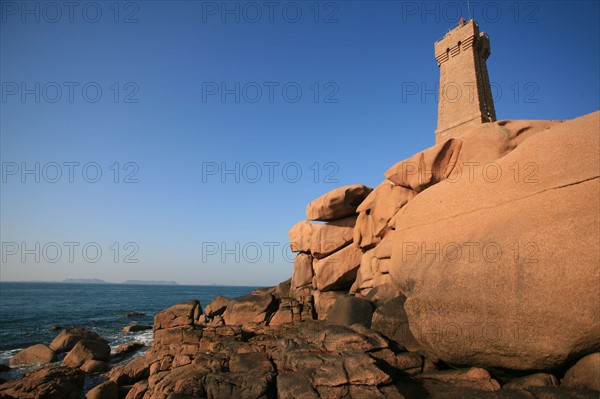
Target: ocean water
{"points": [[28, 310]]}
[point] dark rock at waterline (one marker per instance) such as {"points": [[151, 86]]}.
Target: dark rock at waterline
{"points": [[136, 327], [55, 328], [128, 348]]}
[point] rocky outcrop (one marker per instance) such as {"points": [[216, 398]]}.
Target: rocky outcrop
{"points": [[185, 314], [304, 359], [408, 298], [36, 354], [484, 261], [255, 361]]}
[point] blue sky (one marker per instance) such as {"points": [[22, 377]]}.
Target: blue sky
{"points": [[213, 124]]}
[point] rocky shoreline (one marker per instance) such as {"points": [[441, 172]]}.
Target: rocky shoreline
{"points": [[194, 356], [381, 303]]}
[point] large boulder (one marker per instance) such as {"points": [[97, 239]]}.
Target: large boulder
{"points": [[250, 308], [338, 270], [36, 354], [86, 350], [68, 338], [337, 203], [484, 258]]}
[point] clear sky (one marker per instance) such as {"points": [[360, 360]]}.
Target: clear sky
{"points": [[181, 140]]}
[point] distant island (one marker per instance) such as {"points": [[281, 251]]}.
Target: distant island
{"points": [[98, 281]]}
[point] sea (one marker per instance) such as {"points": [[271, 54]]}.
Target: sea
{"points": [[29, 310]]}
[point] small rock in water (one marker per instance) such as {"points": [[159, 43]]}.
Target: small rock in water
{"points": [[56, 328]]}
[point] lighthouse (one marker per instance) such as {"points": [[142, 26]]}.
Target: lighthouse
{"points": [[465, 96]]}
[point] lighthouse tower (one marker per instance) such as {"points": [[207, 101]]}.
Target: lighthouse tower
{"points": [[465, 94]]}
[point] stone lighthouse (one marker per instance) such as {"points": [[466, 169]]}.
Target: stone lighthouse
{"points": [[465, 97]]}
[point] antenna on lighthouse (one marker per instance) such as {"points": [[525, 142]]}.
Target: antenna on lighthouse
{"points": [[469, 9]]}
